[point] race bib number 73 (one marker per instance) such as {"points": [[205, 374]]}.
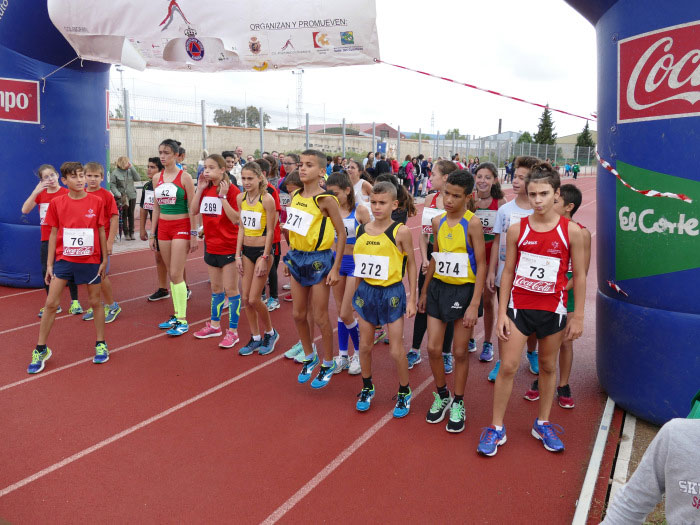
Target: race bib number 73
{"points": [[537, 273]]}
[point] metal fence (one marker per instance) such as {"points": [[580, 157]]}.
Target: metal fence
{"points": [[214, 126]]}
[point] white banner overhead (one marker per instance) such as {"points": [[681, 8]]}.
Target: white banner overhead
{"points": [[220, 35]]}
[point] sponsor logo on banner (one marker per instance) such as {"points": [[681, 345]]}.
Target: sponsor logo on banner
{"points": [[347, 38], [655, 236], [320, 39], [659, 74], [254, 45], [19, 100], [288, 44], [173, 7]]}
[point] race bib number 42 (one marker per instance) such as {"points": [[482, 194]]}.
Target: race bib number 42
{"points": [[372, 266], [210, 206], [78, 241], [451, 264], [166, 194], [298, 221], [537, 273]]}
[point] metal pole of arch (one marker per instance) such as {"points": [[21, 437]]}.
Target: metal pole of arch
{"points": [[343, 137], [374, 139], [262, 126], [398, 143], [420, 140], [204, 125], [306, 144], [127, 123]]}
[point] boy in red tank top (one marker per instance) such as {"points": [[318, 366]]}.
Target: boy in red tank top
{"points": [[78, 244], [533, 300]]}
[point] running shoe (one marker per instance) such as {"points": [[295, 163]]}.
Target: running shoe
{"points": [[179, 328], [38, 360], [532, 358], [251, 347], [301, 357], [403, 404], [101, 354], [379, 334], [493, 373], [342, 362], [75, 308], [413, 357], [58, 311], [189, 293], [534, 393], [355, 367], [564, 397], [268, 342], [447, 359], [472, 345], [208, 331], [486, 353], [365, 395], [324, 376], [160, 293], [286, 287], [230, 339], [272, 304], [88, 315], [111, 312], [457, 417], [547, 433], [288, 298], [306, 370], [490, 440], [438, 409], [294, 350], [168, 324]]}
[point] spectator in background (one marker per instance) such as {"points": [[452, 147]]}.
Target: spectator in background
{"points": [[394, 165], [417, 177], [368, 162], [475, 165], [382, 165], [200, 164], [233, 167], [249, 158], [567, 169], [239, 153], [121, 183], [575, 169], [290, 163], [273, 175]]}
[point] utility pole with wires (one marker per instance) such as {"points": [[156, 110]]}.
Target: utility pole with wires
{"points": [[300, 97]]}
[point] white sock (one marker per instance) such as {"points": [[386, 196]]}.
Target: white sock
{"points": [[540, 422], [271, 332], [498, 427], [256, 338]]}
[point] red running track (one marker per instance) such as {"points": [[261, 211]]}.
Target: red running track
{"points": [[178, 430]]}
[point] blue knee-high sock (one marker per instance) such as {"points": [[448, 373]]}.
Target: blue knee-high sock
{"points": [[234, 311], [354, 331], [342, 337], [217, 304]]}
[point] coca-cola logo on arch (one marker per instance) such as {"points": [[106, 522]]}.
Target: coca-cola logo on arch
{"points": [[659, 74]]}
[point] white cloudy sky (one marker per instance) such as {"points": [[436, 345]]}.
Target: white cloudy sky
{"points": [[542, 51]]}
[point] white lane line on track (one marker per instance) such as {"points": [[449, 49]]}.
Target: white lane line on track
{"points": [[79, 455], [110, 275], [69, 316]]}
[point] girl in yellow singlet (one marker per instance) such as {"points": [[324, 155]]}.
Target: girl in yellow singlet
{"points": [[255, 235]]}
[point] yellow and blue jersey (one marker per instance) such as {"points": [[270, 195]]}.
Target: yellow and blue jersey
{"points": [[380, 250], [455, 263], [309, 230], [254, 225]]}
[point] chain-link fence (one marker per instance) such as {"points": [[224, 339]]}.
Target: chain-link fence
{"points": [[214, 127]]}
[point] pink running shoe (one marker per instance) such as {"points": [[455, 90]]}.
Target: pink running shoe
{"points": [[564, 397], [288, 297], [534, 393], [207, 331], [230, 339]]}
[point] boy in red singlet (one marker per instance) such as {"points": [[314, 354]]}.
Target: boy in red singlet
{"points": [[94, 173], [78, 244], [47, 190], [566, 205], [533, 300]]}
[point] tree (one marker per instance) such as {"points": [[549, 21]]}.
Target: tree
{"points": [[525, 138], [585, 139], [453, 133], [545, 130], [233, 117], [253, 117], [118, 112]]}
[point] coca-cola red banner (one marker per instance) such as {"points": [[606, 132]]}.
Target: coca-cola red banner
{"points": [[19, 100], [659, 74]]}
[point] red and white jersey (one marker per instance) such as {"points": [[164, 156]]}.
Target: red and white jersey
{"points": [[540, 272]]}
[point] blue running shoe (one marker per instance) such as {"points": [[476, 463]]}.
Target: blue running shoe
{"points": [[486, 353], [413, 358], [268, 343], [38, 360], [179, 328], [472, 345], [324, 376], [167, 325], [88, 315], [365, 395], [493, 373], [490, 440], [547, 433], [251, 347], [447, 359], [294, 350], [308, 368], [533, 359], [111, 312], [403, 404], [101, 354]]}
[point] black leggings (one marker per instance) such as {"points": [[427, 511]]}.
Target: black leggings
{"points": [[421, 324], [128, 217], [272, 280], [44, 259]]}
